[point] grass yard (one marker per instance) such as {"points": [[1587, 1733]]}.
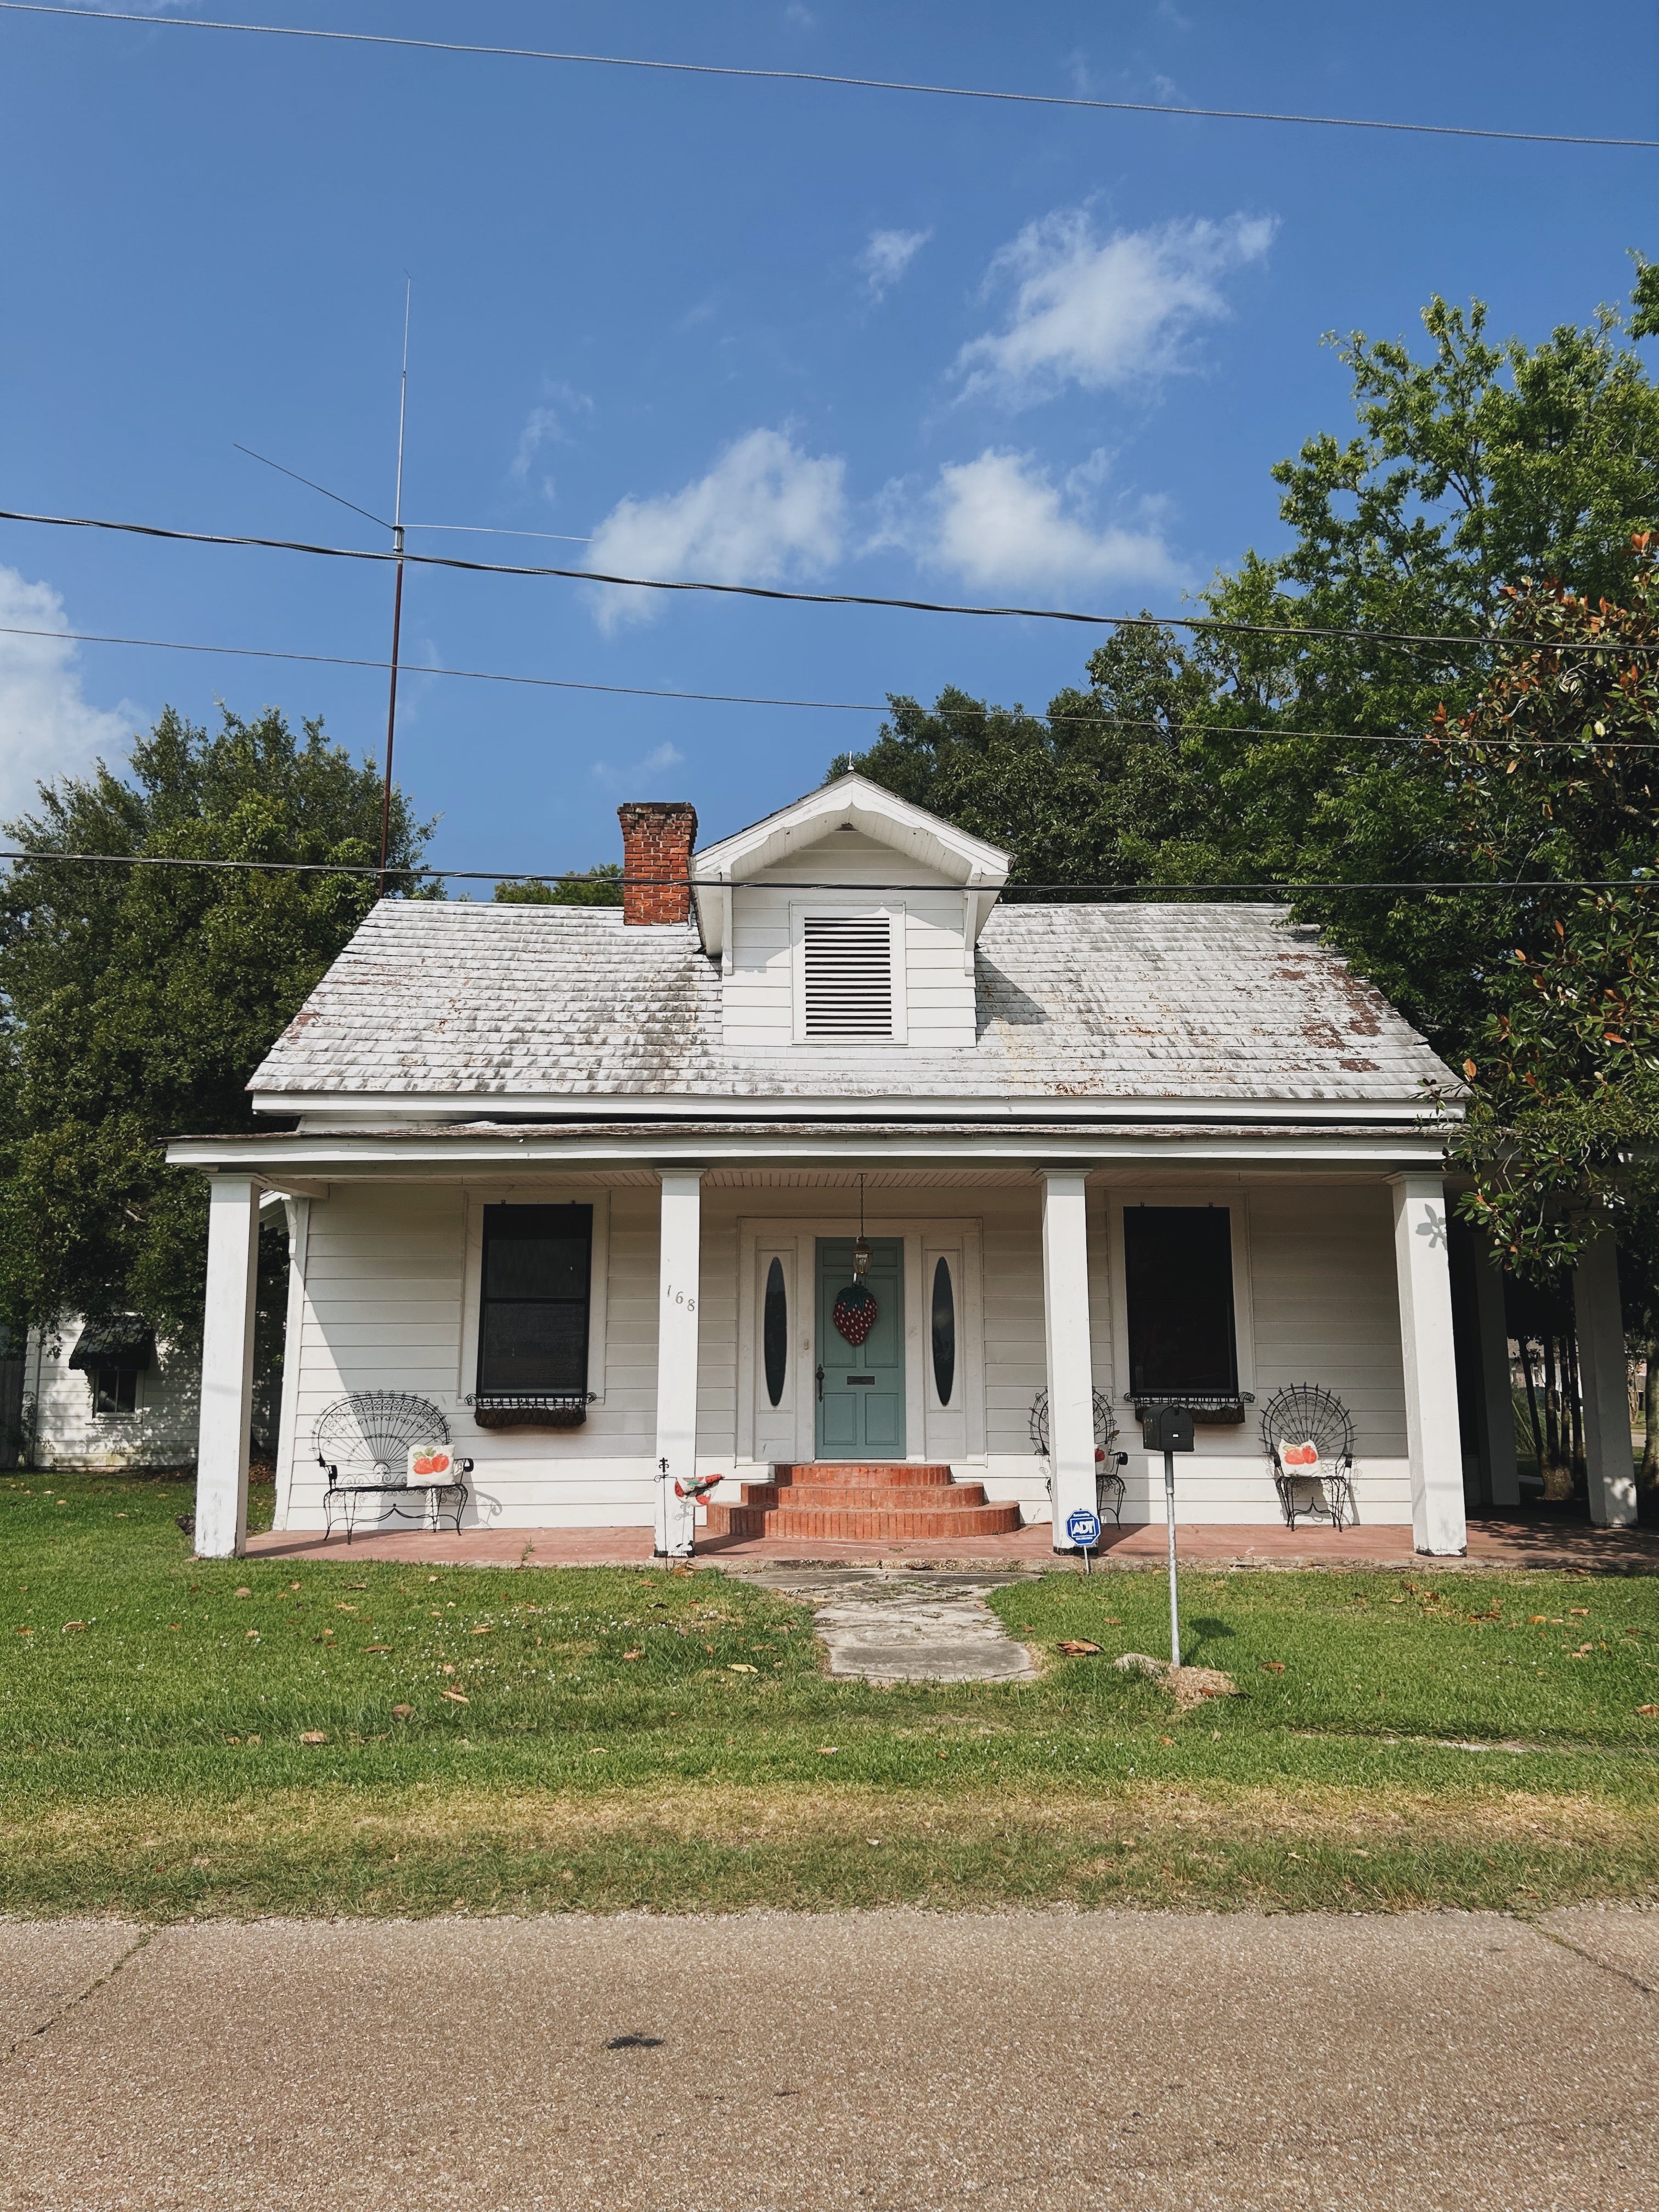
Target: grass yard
{"points": [[178, 1738]]}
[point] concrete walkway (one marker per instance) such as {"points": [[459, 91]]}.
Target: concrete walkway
{"points": [[881, 1624], [1509, 1544], [882, 2062]]}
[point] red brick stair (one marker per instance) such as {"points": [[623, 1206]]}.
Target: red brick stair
{"points": [[863, 1502]]}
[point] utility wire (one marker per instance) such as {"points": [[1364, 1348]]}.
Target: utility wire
{"points": [[1520, 884], [840, 706], [1201, 622], [823, 76]]}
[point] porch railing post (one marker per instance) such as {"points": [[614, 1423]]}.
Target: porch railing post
{"points": [[1609, 1458], [678, 1298], [1503, 1464], [1066, 1334], [232, 1260], [1423, 1274]]}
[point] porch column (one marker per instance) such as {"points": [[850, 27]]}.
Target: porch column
{"points": [[1503, 1468], [1065, 1330], [233, 1257], [1423, 1280], [1603, 1377], [681, 1253]]}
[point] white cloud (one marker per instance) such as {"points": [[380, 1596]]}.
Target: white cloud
{"points": [[1002, 520], [888, 255], [1104, 312], [656, 762], [764, 511], [48, 727], [547, 424]]}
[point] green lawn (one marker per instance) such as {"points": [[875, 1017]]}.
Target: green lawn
{"points": [[495, 1739]]}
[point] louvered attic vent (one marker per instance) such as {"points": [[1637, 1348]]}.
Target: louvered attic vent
{"points": [[848, 976]]}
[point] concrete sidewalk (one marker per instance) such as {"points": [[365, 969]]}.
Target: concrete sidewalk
{"points": [[772, 2063]]}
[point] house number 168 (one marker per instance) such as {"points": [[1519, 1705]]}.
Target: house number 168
{"points": [[680, 1298]]}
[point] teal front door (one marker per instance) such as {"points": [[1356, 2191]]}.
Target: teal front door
{"points": [[860, 1386]]}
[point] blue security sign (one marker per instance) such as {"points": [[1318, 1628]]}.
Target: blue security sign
{"points": [[1082, 1528]]}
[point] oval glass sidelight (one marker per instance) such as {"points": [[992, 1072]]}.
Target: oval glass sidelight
{"points": [[945, 1332], [774, 1332]]}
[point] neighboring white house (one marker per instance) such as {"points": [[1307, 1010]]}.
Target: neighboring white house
{"points": [[605, 1168], [101, 1395]]}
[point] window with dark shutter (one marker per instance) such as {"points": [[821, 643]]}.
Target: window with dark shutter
{"points": [[533, 1322], [848, 967], [1178, 1266]]}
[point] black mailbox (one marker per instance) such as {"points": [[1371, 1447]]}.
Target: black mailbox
{"points": [[1167, 1428]]}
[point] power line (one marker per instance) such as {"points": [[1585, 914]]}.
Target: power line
{"points": [[835, 706], [823, 76], [1214, 623], [1519, 885]]}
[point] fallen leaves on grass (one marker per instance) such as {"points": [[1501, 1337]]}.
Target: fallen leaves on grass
{"points": [[740, 1667], [403, 1712], [1076, 1647], [69, 1625], [456, 1696], [633, 1654], [1648, 1709], [1272, 1666], [313, 1736]]}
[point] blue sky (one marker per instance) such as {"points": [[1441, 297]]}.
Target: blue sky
{"points": [[771, 332]]}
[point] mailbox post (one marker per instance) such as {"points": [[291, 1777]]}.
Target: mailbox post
{"points": [[1169, 1428]]}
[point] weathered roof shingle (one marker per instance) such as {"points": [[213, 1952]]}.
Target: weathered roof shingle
{"points": [[1085, 1002]]}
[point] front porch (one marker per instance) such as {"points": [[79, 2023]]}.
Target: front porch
{"points": [[1496, 1544], [1007, 1316]]}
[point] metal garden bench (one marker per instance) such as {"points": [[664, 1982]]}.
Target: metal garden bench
{"points": [[390, 1445]]}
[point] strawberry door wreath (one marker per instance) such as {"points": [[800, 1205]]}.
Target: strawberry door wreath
{"points": [[855, 1313]]}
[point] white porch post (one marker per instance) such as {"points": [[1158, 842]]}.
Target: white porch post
{"points": [[1503, 1469], [1599, 1323], [233, 1257], [1424, 1278], [1066, 1329], [677, 1356]]}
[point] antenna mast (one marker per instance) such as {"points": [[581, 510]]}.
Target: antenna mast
{"points": [[397, 594]]}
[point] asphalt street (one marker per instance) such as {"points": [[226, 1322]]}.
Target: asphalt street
{"points": [[778, 2063]]}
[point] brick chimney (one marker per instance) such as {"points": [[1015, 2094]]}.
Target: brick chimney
{"points": [[658, 835]]}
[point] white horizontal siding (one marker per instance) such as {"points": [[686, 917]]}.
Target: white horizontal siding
{"points": [[383, 1309], [757, 999]]}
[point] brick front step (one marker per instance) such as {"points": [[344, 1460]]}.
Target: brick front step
{"points": [[889, 1474], [881, 1524], [863, 1502], [857, 1497]]}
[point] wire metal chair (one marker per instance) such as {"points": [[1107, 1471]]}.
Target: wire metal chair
{"points": [[1109, 1464], [363, 1444], [1308, 1434]]}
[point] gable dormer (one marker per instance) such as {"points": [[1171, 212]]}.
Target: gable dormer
{"points": [[847, 923]]}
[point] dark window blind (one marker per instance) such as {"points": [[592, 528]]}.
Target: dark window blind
{"points": [[532, 1323], [1178, 1263]]}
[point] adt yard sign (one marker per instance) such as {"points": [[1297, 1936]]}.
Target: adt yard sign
{"points": [[1082, 1528]]}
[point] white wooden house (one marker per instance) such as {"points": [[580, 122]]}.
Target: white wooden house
{"points": [[605, 1168]]}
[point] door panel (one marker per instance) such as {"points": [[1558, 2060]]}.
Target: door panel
{"points": [[864, 1417]]}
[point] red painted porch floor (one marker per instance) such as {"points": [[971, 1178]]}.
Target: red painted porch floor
{"points": [[1519, 1542]]}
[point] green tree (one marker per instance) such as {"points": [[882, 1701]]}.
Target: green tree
{"points": [[1553, 778], [136, 1002], [595, 886]]}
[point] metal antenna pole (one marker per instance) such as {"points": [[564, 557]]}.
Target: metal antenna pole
{"points": [[1169, 1507], [397, 596]]}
